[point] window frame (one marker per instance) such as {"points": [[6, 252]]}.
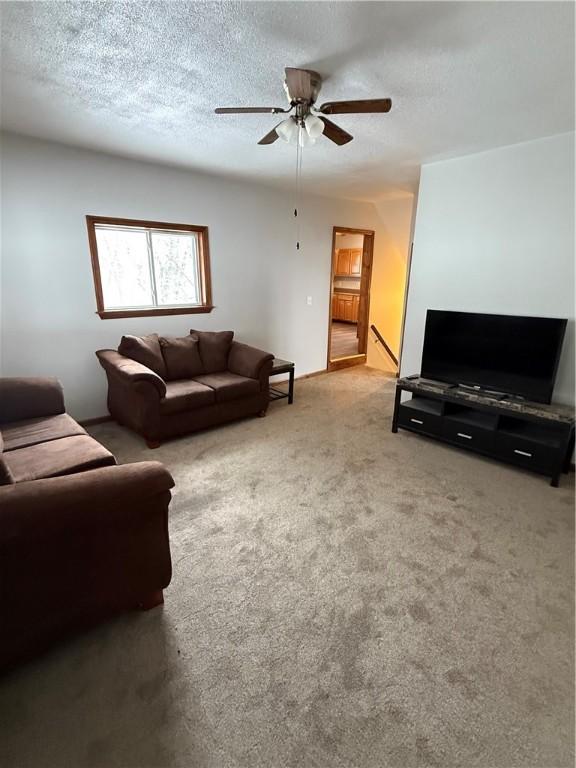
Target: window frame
{"points": [[203, 266]]}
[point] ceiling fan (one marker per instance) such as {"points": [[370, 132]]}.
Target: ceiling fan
{"points": [[302, 87]]}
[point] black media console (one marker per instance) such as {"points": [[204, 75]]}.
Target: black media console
{"points": [[531, 435]]}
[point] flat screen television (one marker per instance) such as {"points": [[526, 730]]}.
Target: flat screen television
{"points": [[502, 353]]}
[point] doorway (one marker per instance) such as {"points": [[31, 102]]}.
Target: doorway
{"points": [[349, 307]]}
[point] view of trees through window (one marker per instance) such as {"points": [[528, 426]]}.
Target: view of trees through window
{"points": [[142, 267]]}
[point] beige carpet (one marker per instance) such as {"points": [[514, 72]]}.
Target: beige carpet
{"points": [[342, 597]]}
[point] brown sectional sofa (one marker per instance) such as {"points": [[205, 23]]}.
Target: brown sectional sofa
{"points": [[164, 387], [80, 537]]}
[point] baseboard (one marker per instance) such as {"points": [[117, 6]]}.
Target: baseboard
{"points": [[347, 362], [279, 380], [311, 375], [96, 420]]}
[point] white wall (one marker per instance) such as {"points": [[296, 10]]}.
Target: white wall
{"points": [[349, 241], [495, 233], [389, 277], [260, 282]]}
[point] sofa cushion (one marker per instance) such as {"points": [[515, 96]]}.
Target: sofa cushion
{"points": [[229, 386], [145, 350], [5, 475], [214, 349], [27, 397], [57, 457], [182, 357], [20, 434], [185, 396]]}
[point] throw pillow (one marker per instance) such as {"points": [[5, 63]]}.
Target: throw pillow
{"points": [[145, 350], [214, 349], [182, 357]]}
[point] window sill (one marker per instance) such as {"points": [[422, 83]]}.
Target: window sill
{"points": [[110, 314]]}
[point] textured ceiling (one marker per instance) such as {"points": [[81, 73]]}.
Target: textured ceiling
{"points": [[142, 79]]}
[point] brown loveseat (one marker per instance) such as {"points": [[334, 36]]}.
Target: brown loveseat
{"points": [[164, 387], [80, 537]]}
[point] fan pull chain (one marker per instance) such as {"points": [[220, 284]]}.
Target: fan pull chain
{"points": [[298, 185]]}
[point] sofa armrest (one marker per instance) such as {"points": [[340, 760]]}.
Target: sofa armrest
{"points": [[85, 500], [28, 398], [129, 370], [247, 361], [79, 548]]}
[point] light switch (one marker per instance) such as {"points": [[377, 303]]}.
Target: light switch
{"points": [[309, 300]]}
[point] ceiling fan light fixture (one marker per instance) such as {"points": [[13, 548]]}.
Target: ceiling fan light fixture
{"points": [[288, 130], [314, 126], [304, 138]]}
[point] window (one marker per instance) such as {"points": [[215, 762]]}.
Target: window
{"points": [[149, 268]]}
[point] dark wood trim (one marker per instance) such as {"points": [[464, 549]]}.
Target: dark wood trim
{"points": [[382, 341], [365, 287], [110, 314], [90, 222], [330, 284], [204, 258], [205, 275], [362, 343], [354, 231], [144, 224]]}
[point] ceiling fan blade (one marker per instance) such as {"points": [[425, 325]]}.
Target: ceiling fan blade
{"points": [[352, 107], [335, 133], [303, 84], [249, 110], [271, 137]]}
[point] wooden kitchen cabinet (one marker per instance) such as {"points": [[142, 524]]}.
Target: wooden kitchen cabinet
{"points": [[356, 261], [343, 261], [335, 307], [340, 307], [345, 307], [349, 311], [349, 262]]}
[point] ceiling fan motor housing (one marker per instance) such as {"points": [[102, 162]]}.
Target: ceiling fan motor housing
{"points": [[302, 85]]}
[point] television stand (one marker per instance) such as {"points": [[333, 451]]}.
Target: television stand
{"points": [[532, 435], [493, 393]]}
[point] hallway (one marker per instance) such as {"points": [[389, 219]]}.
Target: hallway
{"points": [[344, 341]]}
